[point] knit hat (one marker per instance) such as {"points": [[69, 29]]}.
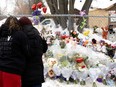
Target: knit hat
{"points": [[25, 21]]}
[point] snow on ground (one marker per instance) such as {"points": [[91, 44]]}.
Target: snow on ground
{"points": [[56, 83], [98, 37]]}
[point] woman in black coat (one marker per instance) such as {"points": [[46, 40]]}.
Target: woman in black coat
{"points": [[33, 75], [13, 51]]}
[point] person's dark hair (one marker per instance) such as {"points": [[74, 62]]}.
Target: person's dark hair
{"points": [[13, 23], [25, 21]]}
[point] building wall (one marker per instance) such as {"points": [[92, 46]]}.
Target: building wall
{"points": [[98, 21]]}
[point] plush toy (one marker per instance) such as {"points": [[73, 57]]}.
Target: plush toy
{"points": [[51, 62], [86, 33], [85, 43], [74, 34], [80, 65], [94, 29], [111, 31], [104, 32], [51, 73], [62, 44]]}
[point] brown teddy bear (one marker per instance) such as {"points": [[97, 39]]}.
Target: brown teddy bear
{"points": [[104, 32]]}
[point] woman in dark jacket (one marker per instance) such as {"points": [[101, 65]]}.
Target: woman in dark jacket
{"points": [[33, 75], [13, 51]]}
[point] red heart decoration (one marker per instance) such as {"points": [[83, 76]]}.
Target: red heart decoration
{"points": [[44, 9], [39, 5], [33, 7]]}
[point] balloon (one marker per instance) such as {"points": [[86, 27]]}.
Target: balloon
{"points": [[86, 33], [83, 23], [81, 27], [33, 7], [44, 9], [39, 5]]}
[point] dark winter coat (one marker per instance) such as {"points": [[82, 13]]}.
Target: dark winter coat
{"points": [[34, 74], [13, 49]]}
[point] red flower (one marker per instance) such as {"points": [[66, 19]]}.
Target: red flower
{"points": [[83, 66], [79, 60], [64, 36]]}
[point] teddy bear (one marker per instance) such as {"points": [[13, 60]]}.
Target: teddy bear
{"points": [[80, 64], [51, 62], [51, 73], [104, 32]]}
